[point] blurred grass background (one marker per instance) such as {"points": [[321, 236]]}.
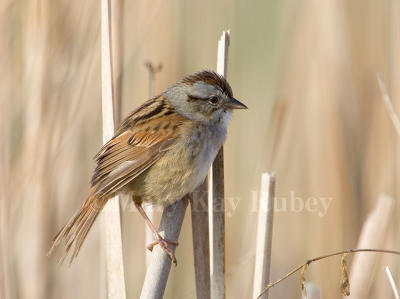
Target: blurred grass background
{"points": [[306, 70]]}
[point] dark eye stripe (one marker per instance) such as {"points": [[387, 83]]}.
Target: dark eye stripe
{"points": [[192, 98]]}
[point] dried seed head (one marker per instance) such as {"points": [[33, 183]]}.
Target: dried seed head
{"points": [[344, 282]]}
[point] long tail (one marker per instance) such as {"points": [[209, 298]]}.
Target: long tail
{"points": [[74, 233]]}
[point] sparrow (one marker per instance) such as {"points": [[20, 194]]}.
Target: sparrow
{"points": [[160, 152]]}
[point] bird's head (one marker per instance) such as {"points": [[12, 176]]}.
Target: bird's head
{"points": [[203, 96]]}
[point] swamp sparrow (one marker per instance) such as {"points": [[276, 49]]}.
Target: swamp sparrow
{"points": [[161, 152]]}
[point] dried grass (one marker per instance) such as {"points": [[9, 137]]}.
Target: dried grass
{"points": [[333, 135]]}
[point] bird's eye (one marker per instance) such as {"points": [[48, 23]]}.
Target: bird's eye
{"points": [[213, 100]]}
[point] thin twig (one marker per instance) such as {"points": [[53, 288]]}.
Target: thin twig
{"points": [[308, 262], [216, 203], [392, 283], [264, 234], [388, 104], [111, 213]]}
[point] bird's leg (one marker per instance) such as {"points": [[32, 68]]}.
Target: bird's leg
{"points": [[159, 239]]}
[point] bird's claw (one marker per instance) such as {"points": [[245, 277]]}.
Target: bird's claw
{"points": [[164, 245]]}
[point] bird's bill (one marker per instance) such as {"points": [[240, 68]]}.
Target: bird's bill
{"points": [[235, 104]]}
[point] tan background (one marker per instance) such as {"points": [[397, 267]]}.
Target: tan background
{"points": [[306, 70]]}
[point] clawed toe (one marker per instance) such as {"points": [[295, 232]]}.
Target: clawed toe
{"points": [[159, 240], [164, 245], [154, 243]]}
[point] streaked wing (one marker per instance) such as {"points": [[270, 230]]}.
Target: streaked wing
{"points": [[141, 141]]}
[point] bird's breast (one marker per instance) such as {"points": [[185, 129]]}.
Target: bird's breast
{"points": [[204, 151], [184, 167]]}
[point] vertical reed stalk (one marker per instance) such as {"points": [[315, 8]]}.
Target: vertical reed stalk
{"points": [[117, 54], [201, 246], [111, 213], [216, 197], [264, 235]]}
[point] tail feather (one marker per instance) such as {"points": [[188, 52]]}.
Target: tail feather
{"points": [[74, 233]]}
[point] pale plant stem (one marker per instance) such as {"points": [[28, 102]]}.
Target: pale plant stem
{"points": [[373, 235], [313, 291], [392, 283], [157, 273], [111, 212], [216, 198], [201, 248], [117, 54], [264, 234], [388, 104]]}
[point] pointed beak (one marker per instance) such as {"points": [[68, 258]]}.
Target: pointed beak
{"points": [[235, 104]]}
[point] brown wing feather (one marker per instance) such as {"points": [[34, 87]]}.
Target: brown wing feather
{"points": [[135, 150], [140, 141]]}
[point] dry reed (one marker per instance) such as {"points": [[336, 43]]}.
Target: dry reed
{"points": [[316, 60]]}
